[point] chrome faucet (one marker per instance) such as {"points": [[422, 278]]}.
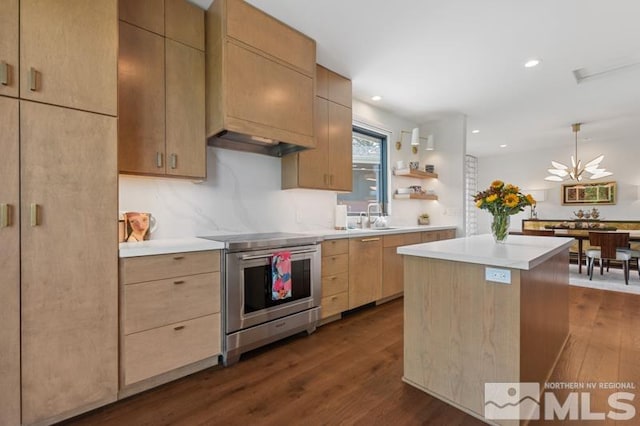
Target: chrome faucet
{"points": [[378, 210]]}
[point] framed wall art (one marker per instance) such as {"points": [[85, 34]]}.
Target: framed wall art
{"points": [[589, 193]]}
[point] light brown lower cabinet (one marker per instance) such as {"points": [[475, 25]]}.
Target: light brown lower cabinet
{"points": [[9, 263], [170, 315], [69, 284], [365, 270], [335, 277], [392, 264]]}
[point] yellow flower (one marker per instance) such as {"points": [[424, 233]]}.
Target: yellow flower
{"points": [[479, 203], [531, 200], [497, 184], [491, 198], [511, 188], [511, 200]]}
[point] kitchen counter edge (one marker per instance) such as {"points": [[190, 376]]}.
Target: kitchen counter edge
{"points": [[167, 246]]}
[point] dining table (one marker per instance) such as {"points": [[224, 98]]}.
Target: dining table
{"points": [[583, 234]]}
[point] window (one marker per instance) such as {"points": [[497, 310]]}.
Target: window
{"points": [[369, 172]]}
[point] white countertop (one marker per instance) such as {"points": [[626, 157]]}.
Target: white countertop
{"points": [[330, 234], [166, 246], [518, 252]]}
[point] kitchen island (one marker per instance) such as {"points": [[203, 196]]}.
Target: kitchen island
{"points": [[477, 312]]}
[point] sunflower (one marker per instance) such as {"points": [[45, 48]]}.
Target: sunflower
{"points": [[511, 200], [479, 203], [511, 188], [497, 184], [530, 200], [491, 198]]}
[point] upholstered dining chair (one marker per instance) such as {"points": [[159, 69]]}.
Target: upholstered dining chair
{"points": [[606, 246]]}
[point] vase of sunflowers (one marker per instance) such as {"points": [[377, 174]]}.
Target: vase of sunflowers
{"points": [[502, 200]]}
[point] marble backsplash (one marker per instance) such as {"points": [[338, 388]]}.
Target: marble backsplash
{"points": [[241, 194]]}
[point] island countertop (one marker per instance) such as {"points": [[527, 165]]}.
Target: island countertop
{"points": [[518, 252]]}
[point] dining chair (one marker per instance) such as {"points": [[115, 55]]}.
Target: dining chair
{"points": [[606, 246]]}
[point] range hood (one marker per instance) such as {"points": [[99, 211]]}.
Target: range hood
{"points": [[256, 144]]}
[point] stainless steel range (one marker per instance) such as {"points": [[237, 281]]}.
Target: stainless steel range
{"points": [[253, 316]]}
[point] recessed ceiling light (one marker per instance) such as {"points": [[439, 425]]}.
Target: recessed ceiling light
{"points": [[475, 131], [376, 98], [532, 63], [504, 145]]}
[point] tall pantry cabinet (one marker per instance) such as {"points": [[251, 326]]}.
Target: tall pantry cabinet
{"points": [[58, 208]]}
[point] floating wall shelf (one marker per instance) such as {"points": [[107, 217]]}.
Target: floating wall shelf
{"points": [[413, 173]]}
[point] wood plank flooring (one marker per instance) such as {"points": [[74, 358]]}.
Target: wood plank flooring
{"points": [[349, 372]]}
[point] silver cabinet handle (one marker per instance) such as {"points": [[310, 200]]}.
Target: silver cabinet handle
{"points": [[174, 161], [179, 282], [4, 73], [33, 79], [178, 328], [5, 215], [35, 220], [368, 240], [178, 257], [158, 159], [330, 179]]}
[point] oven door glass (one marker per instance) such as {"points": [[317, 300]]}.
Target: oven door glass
{"points": [[257, 285]]}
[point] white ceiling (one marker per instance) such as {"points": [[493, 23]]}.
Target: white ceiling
{"points": [[431, 57]]}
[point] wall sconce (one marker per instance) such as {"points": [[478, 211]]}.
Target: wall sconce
{"points": [[415, 140], [403, 132]]}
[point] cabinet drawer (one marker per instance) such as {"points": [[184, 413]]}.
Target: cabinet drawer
{"points": [[333, 247], [149, 353], [265, 33], [157, 303], [335, 284], [149, 268], [333, 265], [447, 234], [401, 239], [334, 304], [429, 236]]}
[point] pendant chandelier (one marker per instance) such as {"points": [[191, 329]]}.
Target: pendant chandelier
{"points": [[560, 172]]}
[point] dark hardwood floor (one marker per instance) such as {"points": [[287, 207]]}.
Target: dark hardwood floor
{"points": [[349, 372]]}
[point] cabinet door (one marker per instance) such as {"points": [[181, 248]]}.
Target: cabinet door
{"points": [[69, 260], [147, 14], [264, 98], [322, 82], [9, 264], [392, 265], [340, 142], [339, 89], [365, 270], [68, 53], [313, 167], [141, 97], [9, 48], [185, 139], [185, 23]]}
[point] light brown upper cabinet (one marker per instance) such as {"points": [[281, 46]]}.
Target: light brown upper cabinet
{"points": [[9, 48], [161, 95], [328, 166], [147, 14], [9, 263], [68, 52], [260, 76]]}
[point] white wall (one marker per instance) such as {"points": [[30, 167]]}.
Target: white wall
{"points": [[528, 170], [242, 190]]}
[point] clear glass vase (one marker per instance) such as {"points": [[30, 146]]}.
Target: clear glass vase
{"points": [[500, 228]]}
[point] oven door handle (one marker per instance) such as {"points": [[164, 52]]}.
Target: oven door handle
{"points": [[264, 256]]}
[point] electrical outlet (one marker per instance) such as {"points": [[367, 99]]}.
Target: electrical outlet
{"points": [[496, 275]]}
